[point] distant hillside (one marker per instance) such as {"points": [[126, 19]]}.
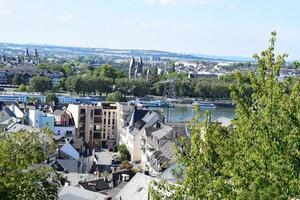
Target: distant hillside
{"points": [[119, 52]]}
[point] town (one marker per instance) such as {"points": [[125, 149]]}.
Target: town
{"points": [[149, 100]]}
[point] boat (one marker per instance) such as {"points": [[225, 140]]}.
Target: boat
{"points": [[156, 103], [153, 103], [203, 104]]}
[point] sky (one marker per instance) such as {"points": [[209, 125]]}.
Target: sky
{"points": [[212, 27]]}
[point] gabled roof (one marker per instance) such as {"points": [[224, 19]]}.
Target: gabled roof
{"points": [[75, 193], [136, 188], [68, 164], [69, 150], [16, 110]]}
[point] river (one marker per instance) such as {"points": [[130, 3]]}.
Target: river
{"points": [[180, 114]]}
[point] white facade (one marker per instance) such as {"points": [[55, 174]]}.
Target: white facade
{"points": [[64, 131]]}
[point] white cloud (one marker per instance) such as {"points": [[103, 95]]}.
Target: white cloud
{"points": [[66, 17]]}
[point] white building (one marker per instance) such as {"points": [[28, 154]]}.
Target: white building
{"points": [[131, 134], [39, 119]]}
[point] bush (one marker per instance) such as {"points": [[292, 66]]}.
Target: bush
{"points": [[124, 153]]}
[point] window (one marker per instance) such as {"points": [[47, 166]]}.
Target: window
{"points": [[97, 111], [97, 135]]}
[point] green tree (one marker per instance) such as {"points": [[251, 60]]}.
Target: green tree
{"points": [[17, 80], [260, 157], [22, 88], [109, 72], [41, 83], [124, 153], [140, 87], [22, 172], [51, 98], [124, 85], [115, 97]]}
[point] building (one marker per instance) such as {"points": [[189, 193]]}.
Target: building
{"points": [[158, 148], [26, 72], [136, 68], [63, 117], [96, 124], [131, 134], [71, 193], [137, 188], [39, 119]]}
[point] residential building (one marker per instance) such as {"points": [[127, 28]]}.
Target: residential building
{"points": [[95, 124], [71, 193], [39, 119], [137, 188], [130, 135], [26, 72], [63, 117], [158, 148]]}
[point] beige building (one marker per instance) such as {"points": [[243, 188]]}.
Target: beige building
{"points": [[96, 124]]}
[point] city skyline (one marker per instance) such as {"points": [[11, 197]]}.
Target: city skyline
{"points": [[213, 27]]}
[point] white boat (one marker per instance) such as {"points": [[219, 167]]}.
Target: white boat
{"points": [[203, 105]]}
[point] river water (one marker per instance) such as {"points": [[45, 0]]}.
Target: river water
{"points": [[185, 113]]}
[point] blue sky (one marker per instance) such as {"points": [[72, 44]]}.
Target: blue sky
{"points": [[215, 27]]}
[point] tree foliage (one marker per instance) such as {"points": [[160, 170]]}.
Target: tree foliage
{"points": [[41, 83], [51, 98], [124, 153], [115, 97], [22, 174], [260, 157]]}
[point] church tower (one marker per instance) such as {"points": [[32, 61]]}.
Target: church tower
{"points": [[132, 68]]}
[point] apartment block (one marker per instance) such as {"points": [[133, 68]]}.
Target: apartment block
{"points": [[96, 124]]}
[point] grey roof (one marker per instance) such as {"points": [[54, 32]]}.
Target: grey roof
{"points": [[162, 132], [75, 193], [68, 164], [69, 150], [136, 188], [21, 127]]}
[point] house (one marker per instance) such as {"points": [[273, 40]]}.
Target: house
{"points": [[158, 148], [39, 119], [64, 124], [81, 160], [136, 189], [130, 135], [76, 193]]}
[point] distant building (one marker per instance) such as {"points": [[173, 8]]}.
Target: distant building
{"points": [[26, 72], [136, 68]]}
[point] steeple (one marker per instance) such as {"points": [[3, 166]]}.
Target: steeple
{"points": [[148, 75], [27, 52], [132, 67], [140, 66], [4, 59], [36, 53]]}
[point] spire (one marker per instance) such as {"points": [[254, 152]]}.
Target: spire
{"points": [[4, 58], [148, 75], [136, 74], [26, 52], [36, 53], [131, 67], [140, 66]]}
